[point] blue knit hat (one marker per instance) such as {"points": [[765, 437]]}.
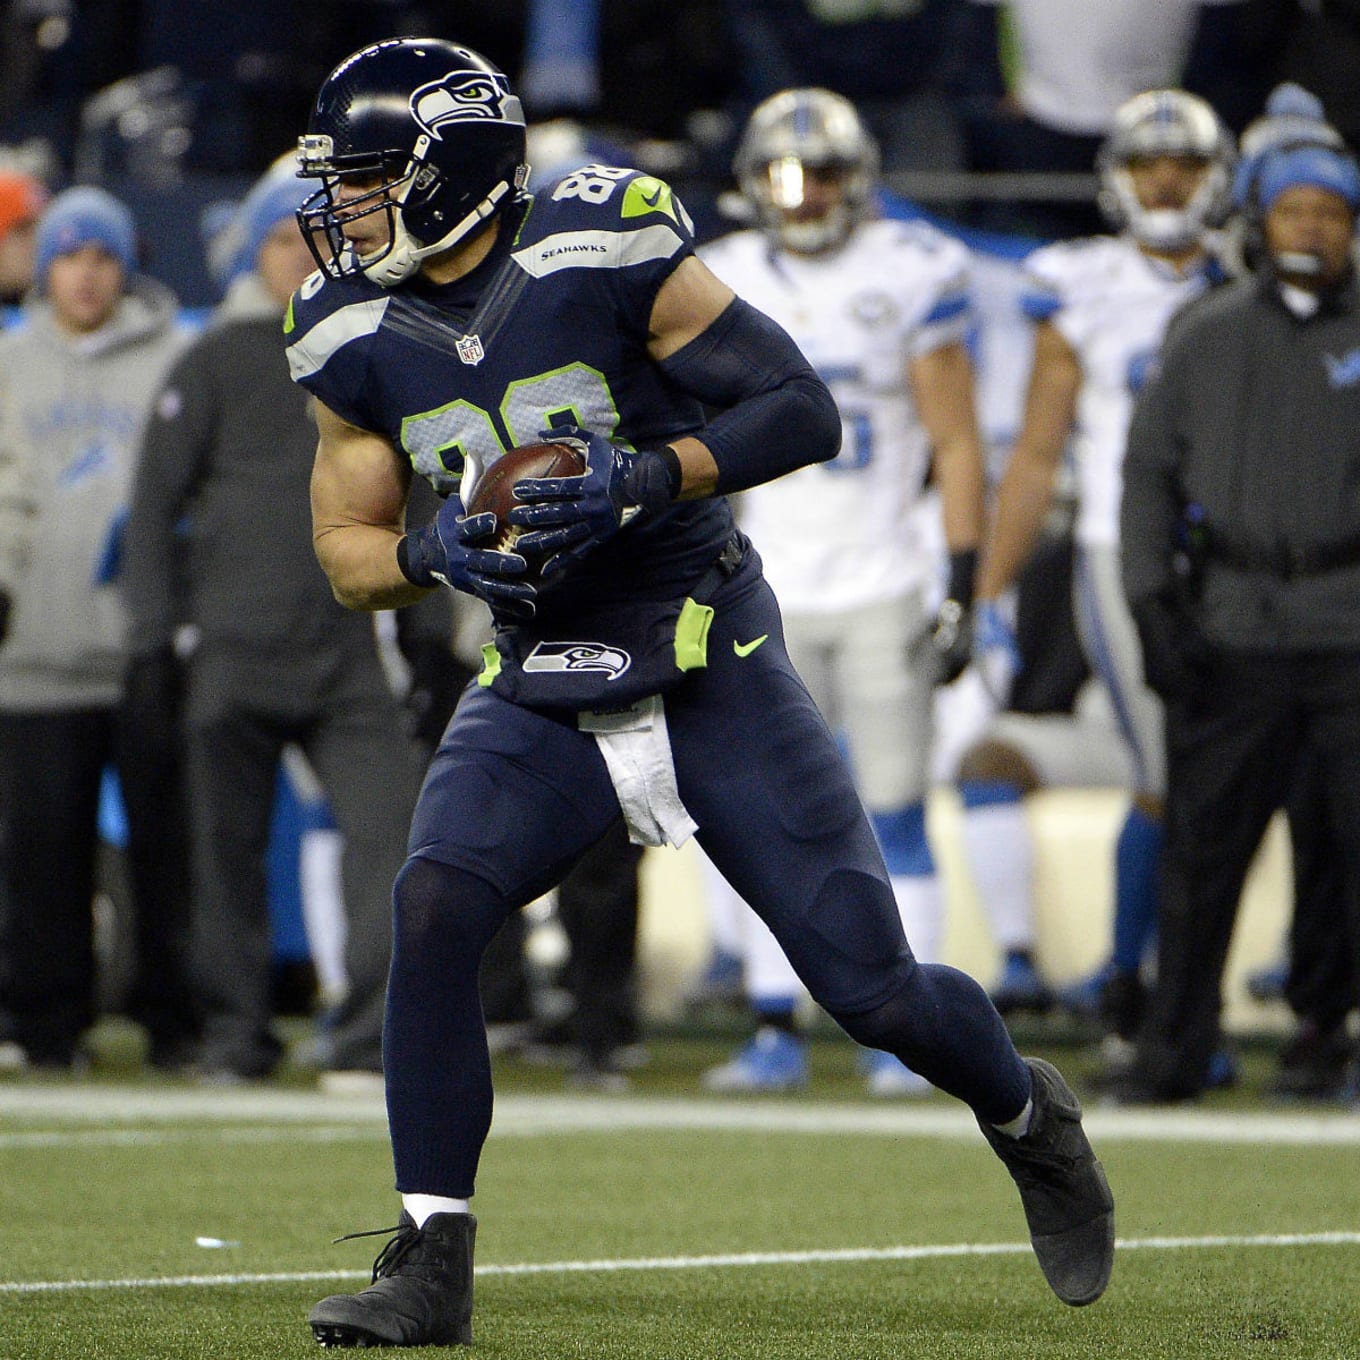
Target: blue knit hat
{"points": [[1323, 167], [273, 198], [82, 217]]}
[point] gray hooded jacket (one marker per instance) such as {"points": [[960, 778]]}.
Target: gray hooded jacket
{"points": [[72, 410]]}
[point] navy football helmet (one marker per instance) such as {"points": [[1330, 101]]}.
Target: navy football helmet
{"points": [[1166, 123], [789, 134], [436, 140]]}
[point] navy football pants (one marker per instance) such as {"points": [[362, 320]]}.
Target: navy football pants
{"points": [[513, 798]]}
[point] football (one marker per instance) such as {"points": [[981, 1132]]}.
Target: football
{"points": [[494, 492]]}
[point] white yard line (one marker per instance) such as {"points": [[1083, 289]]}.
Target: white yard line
{"points": [[245, 1115], [1279, 1241]]}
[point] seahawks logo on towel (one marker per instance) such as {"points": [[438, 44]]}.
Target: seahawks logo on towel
{"points": [[578, 656], [463, 98]]}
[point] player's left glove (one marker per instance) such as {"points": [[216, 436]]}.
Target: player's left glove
{"points": [[952, 636], [996, 652], [569, 516]]}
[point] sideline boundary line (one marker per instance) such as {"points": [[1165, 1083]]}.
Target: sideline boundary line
{"points": [[720, 1262], [85, 1107]]}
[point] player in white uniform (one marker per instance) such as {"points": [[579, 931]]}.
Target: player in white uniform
{"points": [[880, 309], [1100, 307]]}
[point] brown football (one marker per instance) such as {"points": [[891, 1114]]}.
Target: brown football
{"points": [[495, 489]]}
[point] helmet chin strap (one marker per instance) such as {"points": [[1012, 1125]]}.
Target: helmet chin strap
{"points": [[1168, 228], [406, 253]]}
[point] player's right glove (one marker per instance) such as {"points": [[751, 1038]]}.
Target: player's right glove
{"points": [[447, 552], [567, 517]]}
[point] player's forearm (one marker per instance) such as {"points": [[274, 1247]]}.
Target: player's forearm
{"points": [[958, 466], [1023, 503], [360, 561]]}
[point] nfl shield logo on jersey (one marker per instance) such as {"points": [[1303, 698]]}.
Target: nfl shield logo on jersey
{"points": [[470, 349]]}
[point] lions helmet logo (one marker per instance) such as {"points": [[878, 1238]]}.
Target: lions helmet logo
{"points": [[578, 656], [463, 97]]}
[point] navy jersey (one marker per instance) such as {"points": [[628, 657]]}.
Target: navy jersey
{"points": [[550, 329]]}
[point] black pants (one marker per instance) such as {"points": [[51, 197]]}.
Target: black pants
{"points": [[1235, 751], [51, 765], [244, 707], [1320, 988]]}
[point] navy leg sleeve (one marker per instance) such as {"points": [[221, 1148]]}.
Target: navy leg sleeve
{"points": [[760, 772]]}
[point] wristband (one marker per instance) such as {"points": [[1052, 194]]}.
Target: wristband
{"points": [[963, 575], [654, 480], [419, 555]]}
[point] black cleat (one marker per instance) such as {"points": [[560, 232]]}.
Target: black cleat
{"points": [[1067, 1200], [421, 1293]]}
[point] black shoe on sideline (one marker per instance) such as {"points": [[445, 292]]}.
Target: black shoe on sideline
{"points": [[1067, 1200], [421, 1293]]}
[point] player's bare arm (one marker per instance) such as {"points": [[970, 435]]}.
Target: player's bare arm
{"points": [[942, 387], [1026, 490], [359, 488]]}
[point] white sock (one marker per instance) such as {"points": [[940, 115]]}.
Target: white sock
{"points": [[420, 1207], [1000, 851], [920, 904], [1019, 1126]]}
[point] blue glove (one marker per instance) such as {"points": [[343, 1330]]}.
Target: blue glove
{"points": [[996, 653], [569, 516], [444, 552]]}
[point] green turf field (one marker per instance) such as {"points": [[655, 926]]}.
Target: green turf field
{"points": [[669, 1225]]}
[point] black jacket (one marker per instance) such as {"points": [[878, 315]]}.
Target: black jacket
{"points": [[1252, 427]]}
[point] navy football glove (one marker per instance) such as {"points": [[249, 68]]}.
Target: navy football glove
{"points": [[568, 516], [446, 552]]}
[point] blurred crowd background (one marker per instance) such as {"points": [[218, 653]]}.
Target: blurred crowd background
{"points": [[177, 107]]}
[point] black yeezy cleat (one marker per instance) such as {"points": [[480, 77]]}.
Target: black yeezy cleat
{"points": [[1066, 1197], [421, 1293]]}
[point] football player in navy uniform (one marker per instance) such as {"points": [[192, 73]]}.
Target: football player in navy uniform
{"points": [[455, 317]]}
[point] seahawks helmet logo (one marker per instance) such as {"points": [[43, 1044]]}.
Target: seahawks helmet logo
{"points": [[578, 656], [463, 97]]}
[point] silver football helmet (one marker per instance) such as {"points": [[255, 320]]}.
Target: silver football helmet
{"points": [[791, 133], [1166, 123]]}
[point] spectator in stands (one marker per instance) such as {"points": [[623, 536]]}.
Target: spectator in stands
{"points": [[887, 60], [1100, 306], [1316, 45], [22, 199], [1242, 565], [1071, 65], [76, 384], [228, 451]]}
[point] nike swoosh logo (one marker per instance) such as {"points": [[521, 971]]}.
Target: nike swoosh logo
{"points": [[651, 200], [746, 648]]}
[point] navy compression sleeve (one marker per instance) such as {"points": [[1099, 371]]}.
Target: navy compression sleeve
{"points": [[775, 413]]}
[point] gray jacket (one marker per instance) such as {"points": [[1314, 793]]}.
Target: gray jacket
{"points": [[1252, 428], [72, 412], [220, 532]]}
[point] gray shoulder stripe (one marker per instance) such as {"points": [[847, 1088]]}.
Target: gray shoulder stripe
{"points": [[311, 352], [597, 250]]}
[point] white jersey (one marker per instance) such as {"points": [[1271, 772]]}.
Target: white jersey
{"points": [[840, 535], [1111, 303]]}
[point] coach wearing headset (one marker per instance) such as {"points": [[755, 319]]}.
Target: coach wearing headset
{"points": [[1241, 533]]}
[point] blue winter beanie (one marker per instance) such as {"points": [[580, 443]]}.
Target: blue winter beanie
{"points": [[274, 197], [82, 217], [1321, 166]]}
